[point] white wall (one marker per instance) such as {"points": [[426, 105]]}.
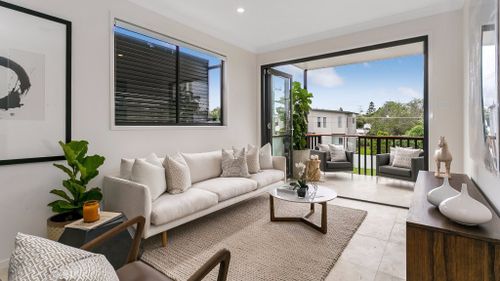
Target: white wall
{"points": [[445, 69], [474, 166], [25, 187]]}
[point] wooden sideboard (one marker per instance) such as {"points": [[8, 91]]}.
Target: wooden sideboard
{"points": [[440, 249]]}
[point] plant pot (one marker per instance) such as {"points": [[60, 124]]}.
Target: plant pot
{"points": [[301, 192], [300, 156], [56, 224]]}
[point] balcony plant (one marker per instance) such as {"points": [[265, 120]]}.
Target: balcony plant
{"points": [[80, 169], [301, 105]]}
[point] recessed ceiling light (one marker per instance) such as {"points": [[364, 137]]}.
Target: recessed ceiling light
{"points": [[120, 55], [240, 10]]}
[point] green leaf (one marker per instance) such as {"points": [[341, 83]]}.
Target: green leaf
{"points": [[74, 151], [61, 193], [88, 167], [61, 206], [65, 169], [92, 194]]}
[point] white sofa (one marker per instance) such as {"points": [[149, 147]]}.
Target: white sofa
{"points": [[209, 192]]}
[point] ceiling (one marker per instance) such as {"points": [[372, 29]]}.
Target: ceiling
{"points": [[268, 25], [367, 56]]}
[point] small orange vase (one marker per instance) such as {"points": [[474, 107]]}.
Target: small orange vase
{"points": [[91, 211]]}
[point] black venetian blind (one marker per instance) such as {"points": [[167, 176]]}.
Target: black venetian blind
{"points": [[157, 83]]}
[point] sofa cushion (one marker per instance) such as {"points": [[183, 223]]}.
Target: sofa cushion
{"points": [[169, 207], [234, 163], [227, 188], [395, 171], [151, 175], [177, 174], [337, 153], [204, 165], [267, 177], [266, 157], [338, 165], [253, 159]]}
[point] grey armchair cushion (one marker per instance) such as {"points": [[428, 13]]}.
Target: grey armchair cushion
{"points": [[395, 171], [338, 165]]}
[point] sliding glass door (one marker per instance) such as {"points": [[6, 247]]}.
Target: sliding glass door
{"points": [[277, 124]]}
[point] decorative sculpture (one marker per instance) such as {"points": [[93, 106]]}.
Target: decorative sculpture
{"points": [[442, 154]]}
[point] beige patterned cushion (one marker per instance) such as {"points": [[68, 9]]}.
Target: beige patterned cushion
{"points": [[234, 164], [403, 156], [39, 259], [266, 157], [337, 153], [392, 153], [177, 174], [253, 159]]}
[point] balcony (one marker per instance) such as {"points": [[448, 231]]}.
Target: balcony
{"points": [[364, 185]]}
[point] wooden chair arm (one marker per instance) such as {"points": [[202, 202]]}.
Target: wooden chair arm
{"points": [[223, 257], [134, 251]]}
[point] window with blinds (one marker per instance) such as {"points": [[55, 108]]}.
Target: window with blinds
{"points": [[160, 81]]}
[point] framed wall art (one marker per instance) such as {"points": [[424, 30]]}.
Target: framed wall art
{"points": [[35, 85]]}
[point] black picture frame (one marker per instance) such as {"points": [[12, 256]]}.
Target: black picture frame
{"points": [[67, 79]]}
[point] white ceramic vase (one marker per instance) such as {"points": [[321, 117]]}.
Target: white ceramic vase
{"points": [[440, 193], [464, 209]]}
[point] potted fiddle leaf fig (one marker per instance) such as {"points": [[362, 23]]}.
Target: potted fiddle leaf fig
{"points": [[301, 105], [80, 169]]}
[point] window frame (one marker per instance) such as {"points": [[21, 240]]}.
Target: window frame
{"points": [[324, 122], [117, 22], [339, 122], [318, 121]]}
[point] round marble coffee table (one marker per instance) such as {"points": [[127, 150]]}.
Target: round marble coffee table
{"points": [[321, 196]]}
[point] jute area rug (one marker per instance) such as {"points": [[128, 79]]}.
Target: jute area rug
{"points": [[260, 249]]}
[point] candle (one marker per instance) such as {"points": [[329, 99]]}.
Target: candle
{"points": [[91, 211]]}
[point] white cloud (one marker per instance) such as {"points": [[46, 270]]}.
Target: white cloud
{"points": [[365, 64], [325, 77], [410, 92]]}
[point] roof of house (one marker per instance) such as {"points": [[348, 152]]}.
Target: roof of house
{"points": [[334, 111]]}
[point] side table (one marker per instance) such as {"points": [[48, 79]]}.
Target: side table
{"points": [[115, 249]]}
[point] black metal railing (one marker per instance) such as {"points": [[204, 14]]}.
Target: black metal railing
{"points": [[366, 147]]}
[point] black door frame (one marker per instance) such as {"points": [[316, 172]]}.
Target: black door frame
{"points": [[419, 39]]}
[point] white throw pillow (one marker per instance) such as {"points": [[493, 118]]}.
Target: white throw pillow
{"points": [[392, 153], [126, 165], [151, 176], [266, 157], [234, 164], [177, 174], [203, 165], [253, 159], [337, 153], [403, 156], [36, 258], [153, 159], [126, 168], [325, 148]]}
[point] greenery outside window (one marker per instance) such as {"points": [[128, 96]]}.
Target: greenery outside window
{"points": [[160, 81]]}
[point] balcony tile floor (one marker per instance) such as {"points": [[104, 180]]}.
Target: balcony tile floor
{"points": [[387, 191], [377, 252]]}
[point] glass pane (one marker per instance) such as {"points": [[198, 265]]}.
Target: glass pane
{"points": [[199, 87], [144, 80], [280, 101], [279, 146]]}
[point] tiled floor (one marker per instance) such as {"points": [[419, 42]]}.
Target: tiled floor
{"points": [[377, 252], [388, 191]]}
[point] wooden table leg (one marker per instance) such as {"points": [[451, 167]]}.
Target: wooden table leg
{"points": [[321, 228]]}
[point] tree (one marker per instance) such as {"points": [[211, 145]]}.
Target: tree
{"points": [[301, 104], [416, 131], [371, 108], [215, 114]]}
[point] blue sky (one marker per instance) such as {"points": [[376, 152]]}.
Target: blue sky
{"points": [[353, 86]]}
